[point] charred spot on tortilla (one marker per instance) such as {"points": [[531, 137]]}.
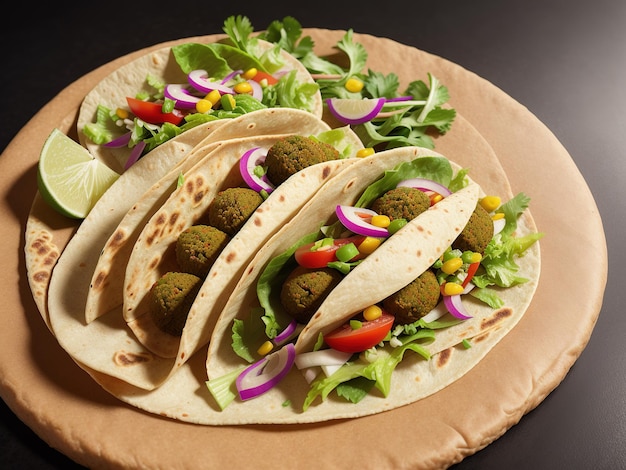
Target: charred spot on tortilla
{"points": [[125, 358], [118, 237], [443, 358], [496, 318], [98, 281], [41, 277]]}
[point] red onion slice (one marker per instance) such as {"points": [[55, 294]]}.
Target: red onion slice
{"points": [[179, 93], [355, 111], [199, 80], [121, 141], [231, 75], [266, 373], [455, 306], [351, 218], [286, 333], [425, 184], [135, 154], [257, 90], [249, 160]]}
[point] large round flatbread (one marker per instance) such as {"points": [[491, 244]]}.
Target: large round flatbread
{"points": [[39, 378]]}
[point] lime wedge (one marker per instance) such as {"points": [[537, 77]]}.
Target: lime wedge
{"points": [[69, 178]]}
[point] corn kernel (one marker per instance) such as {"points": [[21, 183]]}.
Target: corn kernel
{"points": [[372, 312], [435, 198], [381, 221], [354, 85], [369, 245], [365, 152], [214, 97], [452, 265], [499, 215], [265, 348], [204, 106], [476, 258], [250, 73], [452, 288], [121, 113], [490, 203], [243, 87]]}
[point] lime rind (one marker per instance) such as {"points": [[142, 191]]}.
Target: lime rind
{"points": [[69, 179]]}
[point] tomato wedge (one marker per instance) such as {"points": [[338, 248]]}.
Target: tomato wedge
{"points": [[152, 113], [346, 339], [471, 270], [260, 76], [320, 258]]}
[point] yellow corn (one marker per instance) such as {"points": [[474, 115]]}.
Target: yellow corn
{"points": [[204, 106], [499, 215], [369, 245], [380, 221], [476, 257], [452, 288], [243, 87], [250, 73], [452, 265], [490, 203], [265, 348], [354, 85], [372, 312], [365, 152], [121, 113], [213, 96], [436, 198]]}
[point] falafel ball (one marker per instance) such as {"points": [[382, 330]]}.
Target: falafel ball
{"points": [[291, 154], [401, 203], [232, 207], [170, 300], [198, 247], [415, 300], [477, 233], [305, 289]]}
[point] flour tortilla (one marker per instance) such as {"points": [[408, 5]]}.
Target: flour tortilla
{"points": [[122, 348], [130, 79], [396, 263], [107, 277]]}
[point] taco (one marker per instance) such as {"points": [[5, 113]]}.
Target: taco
{"points": [[143, 352], [107, 276], [403, 283], [157, 96]]}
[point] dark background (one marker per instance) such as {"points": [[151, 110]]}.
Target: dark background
{"points": [[564, 60]]}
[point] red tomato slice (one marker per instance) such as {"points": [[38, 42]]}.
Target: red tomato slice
{"points": [[320, 258], [152, 112], [471, 270], [271, 80], [345, 339]]}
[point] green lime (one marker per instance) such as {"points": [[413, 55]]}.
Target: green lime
{"points": [[69, 178]]}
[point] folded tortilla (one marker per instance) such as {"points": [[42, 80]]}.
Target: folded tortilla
{"points": [[130, 79], [398, 261], [138, 353], [107, 281]]}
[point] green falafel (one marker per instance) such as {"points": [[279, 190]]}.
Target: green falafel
{"points": [[292, 154], [402, 203], [305, 289], [415, 300], [198, 247], [477, 233], [171, 298], [232, 207]]}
